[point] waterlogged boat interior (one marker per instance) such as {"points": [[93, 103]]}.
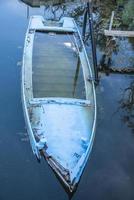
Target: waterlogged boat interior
{"points": [[60, 98], [56, 68]]}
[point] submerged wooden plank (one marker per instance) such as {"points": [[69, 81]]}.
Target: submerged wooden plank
{"points": [[119, 33], [55, 67]]}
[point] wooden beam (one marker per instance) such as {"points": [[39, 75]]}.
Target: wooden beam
{"points": [[111, 21], [119, 33]]}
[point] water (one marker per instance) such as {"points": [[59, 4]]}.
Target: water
{"points": [[56, 67], [109, 173]]}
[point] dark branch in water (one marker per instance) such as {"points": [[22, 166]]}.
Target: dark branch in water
{"points": [[117, 70], [127, 104]]}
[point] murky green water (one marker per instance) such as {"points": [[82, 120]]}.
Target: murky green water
{"points": [[109, 174], [57, 71]]}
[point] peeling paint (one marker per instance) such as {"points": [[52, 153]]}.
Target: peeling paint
{"points": [[60, 129]]}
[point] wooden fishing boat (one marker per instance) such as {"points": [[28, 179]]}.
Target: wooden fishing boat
{"points": [[60, 125]]}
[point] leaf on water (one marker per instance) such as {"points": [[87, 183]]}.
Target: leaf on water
{"points": [[25, 139], [19, 47], [19, 63]]}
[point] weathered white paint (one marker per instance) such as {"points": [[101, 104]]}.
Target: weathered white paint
{"points": [[117, 33], [62, 128]]}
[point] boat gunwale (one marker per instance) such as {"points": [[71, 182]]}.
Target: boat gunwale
{"points": [[24, 104]]}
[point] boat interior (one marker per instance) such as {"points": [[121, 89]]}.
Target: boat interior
{"points": [[57, 71]]}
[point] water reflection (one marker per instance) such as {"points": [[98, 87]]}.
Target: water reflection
{"points": [[55, 9], [38, 3], [127, 105]]}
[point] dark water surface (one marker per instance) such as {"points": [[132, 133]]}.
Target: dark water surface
{"points": [[109, 174]]}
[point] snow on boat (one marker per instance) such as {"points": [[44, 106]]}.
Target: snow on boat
{"points": [[60, 122]]}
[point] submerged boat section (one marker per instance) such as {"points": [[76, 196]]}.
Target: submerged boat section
{"points": [[58, 97]]}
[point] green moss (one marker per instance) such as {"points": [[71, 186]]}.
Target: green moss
{"points": [[128, 14], [120, 2]]}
